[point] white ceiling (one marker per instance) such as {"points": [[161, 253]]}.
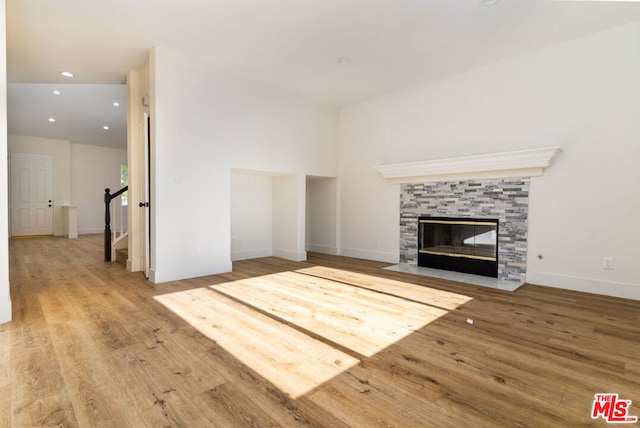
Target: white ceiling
{"points": [[80, 112], [289, 44]]}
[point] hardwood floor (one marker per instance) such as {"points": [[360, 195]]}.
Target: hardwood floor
{"points": [[331, 342]]}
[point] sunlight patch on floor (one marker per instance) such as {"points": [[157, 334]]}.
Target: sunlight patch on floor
{"points": [[362, 320], [419, 293], [362, 313], [293, 361]]}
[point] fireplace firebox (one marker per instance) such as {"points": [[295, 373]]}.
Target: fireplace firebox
{"points": [[459, 244]]}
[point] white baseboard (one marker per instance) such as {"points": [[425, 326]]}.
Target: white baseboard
{"points": [[377, 256], [323, 250], [5, 312], [296, 256], [250, 254], [90, 231], [184, 272], [588, 285]]}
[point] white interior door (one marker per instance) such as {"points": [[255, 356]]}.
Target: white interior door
{"points": [[31, 194]]}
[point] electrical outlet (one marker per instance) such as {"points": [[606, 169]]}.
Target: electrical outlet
{"points": [[607, 263]]}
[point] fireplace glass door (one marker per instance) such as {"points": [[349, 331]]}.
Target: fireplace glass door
{"points": [[459, 244]]}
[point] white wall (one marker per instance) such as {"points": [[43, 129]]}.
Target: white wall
{"points": [[5, 297], [322, 215], [583, 95], [93, 169], [204, 123], [60, 151], [266, 215], [251, 215]]}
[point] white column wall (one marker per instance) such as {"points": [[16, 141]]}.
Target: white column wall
{"points": [[5, 297], [289, 217]]}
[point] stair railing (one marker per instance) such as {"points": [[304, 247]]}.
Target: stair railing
{"points": [[118, 231]]}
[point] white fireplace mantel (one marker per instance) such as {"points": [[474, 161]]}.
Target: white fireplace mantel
{"points": [[523, 163]]}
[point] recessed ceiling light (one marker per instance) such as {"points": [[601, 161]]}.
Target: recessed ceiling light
{"points": [[488, 2], [343, 60], [106, 128], [67, 73], [52, 119], [56, 92], [116, 104]]}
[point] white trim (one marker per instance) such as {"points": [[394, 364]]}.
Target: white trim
{"points": [[371, 255], [250, 254], [322, 249], [296, 256], [587, 285], [91, 231], [524, 163], [184, 272]]}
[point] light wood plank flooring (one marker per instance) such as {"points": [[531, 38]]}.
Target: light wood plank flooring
{"points": [[331, 342]]}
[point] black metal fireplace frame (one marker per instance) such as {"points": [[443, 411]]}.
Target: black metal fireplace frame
{"points": [[458, 264]]}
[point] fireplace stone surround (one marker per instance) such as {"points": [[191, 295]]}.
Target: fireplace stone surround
{"points": [[493, 185], [505, 199]]}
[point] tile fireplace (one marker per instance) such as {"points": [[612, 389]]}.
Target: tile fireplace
{"points": [[492, 186], [500, 205]]}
